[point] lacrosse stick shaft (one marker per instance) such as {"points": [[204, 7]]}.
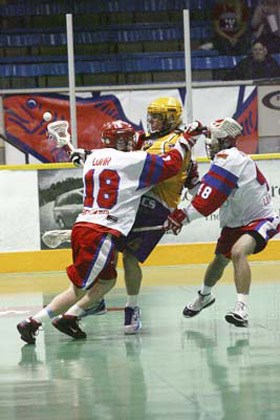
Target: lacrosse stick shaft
{"points": [[70, 145], [147, 228]]}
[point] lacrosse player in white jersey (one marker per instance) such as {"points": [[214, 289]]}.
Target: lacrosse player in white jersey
{"points": [[235, 185], [113, 185]]}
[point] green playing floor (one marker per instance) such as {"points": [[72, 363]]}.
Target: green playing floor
{"points": [[176, 368]]}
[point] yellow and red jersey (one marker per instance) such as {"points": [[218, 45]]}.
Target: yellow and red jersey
{"points": [[169, 191]]}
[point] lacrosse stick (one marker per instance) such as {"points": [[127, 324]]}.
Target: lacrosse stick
{"points": [[58, 131], [54, 238]]}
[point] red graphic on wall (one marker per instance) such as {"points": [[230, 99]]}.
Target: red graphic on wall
{"points": [[26, 129], [247, 116]]}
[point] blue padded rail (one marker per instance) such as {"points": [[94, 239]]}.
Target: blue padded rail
{"points": [[34, 66], [122, 63], [108, 63]]}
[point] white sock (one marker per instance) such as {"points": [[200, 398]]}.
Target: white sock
{"points": [[132, 301], [205, 290], [242, 297], [44, 314], [75, 310]]}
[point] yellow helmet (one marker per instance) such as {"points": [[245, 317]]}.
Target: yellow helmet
{"points": [[168, 110]]}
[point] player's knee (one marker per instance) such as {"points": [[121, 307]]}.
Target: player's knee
{"points": [[237, 253], [220, 261]]}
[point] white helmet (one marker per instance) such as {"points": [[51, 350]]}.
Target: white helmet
{"points": [[223, 134]]}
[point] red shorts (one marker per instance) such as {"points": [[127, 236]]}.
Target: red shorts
{"points": [[93, 254], [261, 230]]}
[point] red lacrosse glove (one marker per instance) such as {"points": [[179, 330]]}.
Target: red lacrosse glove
{"points": [[191, 134], [143, 141], [140, 139], [193, 176], [174, 222]]}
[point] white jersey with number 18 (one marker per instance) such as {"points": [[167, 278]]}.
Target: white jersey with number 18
{"points": [[114, 181], [234, 184]]}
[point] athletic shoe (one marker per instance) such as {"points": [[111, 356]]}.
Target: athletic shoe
{"points": [[28, 330], [239, 316], [68, 324], [201, 302], [98, 309], [132, 320]]}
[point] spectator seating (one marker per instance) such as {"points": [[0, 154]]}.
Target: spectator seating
{"points": [[116, 41], [153, 32]]}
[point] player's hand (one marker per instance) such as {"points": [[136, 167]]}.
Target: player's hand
{"points": [[174, 222], [143, 141], [78, 157], [193, 176], [140, 139], [191, 134]]}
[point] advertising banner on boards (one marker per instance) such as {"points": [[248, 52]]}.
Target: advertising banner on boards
{"points": [[25, 127]]}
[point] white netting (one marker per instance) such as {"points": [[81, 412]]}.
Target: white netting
{"points": [[58, 130], [54, 238]]}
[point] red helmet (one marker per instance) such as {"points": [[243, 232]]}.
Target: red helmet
{"points": [[118, 135]]}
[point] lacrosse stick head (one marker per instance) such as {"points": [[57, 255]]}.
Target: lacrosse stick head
{"points": [[54, 238], [58, 131], [222, 134]]}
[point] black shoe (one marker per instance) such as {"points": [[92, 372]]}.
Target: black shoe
{"points": [[28, 330], [68, 324], [132, 320]]}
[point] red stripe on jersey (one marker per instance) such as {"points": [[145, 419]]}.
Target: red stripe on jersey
{"points": [[221, 178]]}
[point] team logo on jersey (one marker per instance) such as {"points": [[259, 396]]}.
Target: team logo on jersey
{"points": [[166, 158], [222, 155]]}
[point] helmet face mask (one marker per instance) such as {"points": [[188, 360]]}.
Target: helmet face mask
{"points": [[163, 116], [223, 135], [118, 135]]}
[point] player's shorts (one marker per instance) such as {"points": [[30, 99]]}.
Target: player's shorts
{"points": [[141, 244], [93, 253], [261, 230]]}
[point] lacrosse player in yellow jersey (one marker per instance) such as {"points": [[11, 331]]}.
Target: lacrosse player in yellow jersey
{"points": [[164, 123]]}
